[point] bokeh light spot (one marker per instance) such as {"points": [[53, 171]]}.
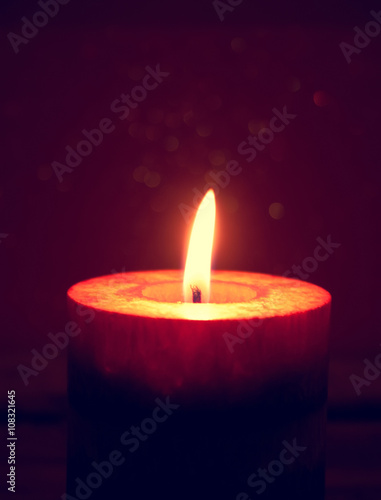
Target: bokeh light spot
{"points": [[44, 172], [153, 133], [293, 84], [139, 173], [136, 130], [238, 45], [213, 102], [152, 179], [173, 120], [189, 118], [64, 186], [321, 98], [255, 126], [217, 157], [276, 210], [204, 130], [171, 143], [278, 148]]}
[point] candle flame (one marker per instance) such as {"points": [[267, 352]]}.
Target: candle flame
{"points": [[196, 283]]}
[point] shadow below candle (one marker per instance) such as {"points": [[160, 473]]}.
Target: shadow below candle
{"points": [[201, 452]]}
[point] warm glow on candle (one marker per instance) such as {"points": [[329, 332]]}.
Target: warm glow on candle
{"points": [[199, 258]]}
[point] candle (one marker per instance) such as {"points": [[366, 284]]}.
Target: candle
{"points": [[240, 379]]}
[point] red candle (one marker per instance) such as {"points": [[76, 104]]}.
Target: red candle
{"points": [[257, 329], [252, 354]]}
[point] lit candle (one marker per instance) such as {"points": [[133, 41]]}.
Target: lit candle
{"points": [[242, 359]]}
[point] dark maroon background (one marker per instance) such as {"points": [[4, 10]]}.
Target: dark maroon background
{"points": [[323, 168]]}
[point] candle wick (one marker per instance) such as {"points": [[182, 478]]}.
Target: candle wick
{"points": [[196, 294]]}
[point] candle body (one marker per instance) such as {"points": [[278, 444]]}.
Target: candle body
{"points": [[199, 407]]}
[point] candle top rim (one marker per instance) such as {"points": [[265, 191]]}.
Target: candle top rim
{"points": [[271, 296]]}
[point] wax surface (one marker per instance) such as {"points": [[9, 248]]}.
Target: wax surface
{"points": [[234, 295]]}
